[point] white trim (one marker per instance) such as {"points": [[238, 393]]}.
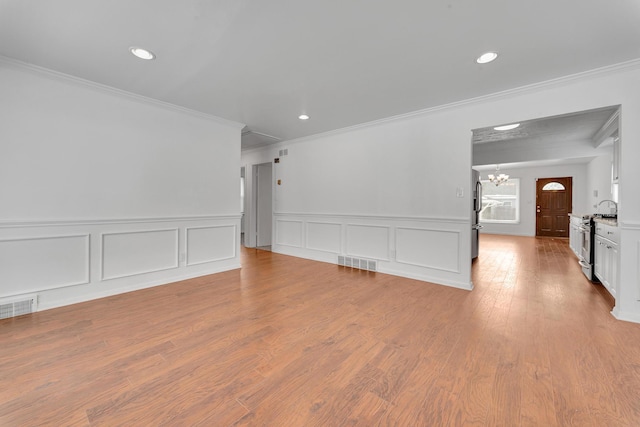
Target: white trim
{"points": [[635, 226], [430, 267], [457, 220], [137, 273], [63, 236], [186, 243], [637, 271], [387, 256], [428, 279], [118, 92], [126, 289], [277, 235], [108, 221], [306, 236], [625, 316], [607, 129]]}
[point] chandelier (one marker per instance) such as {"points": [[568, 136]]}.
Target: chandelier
{"points": [[498, 178]]}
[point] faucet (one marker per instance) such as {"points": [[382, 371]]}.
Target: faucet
{"points": [[610, 201]]}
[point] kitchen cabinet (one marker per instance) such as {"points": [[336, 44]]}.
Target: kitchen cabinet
{"points": [[606, 255], [575, 234]]}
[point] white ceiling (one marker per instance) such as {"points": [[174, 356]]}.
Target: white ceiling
{"points": [[263, 63], [578, 126], [572, 138]]}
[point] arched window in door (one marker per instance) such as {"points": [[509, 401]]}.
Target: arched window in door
{"points": [[553, 186]]}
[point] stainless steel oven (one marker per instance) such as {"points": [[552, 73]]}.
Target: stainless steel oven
{"points": [[586, 251]]}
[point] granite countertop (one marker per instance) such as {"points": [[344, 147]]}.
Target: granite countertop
{"points": [[607, 221]]}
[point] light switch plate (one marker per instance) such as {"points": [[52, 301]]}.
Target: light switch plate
{"points": [[459, 192]]}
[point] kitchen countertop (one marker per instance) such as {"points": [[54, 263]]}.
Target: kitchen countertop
{"points": [[607, 221]]}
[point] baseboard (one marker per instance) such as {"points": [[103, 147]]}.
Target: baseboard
{"points": [[331, 258], [624, 316], [48, 305], [430, 279]]}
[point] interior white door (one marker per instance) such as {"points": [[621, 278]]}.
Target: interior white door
{"points": [[264, 211]]}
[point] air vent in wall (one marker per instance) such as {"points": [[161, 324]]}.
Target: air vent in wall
{"points": [[283, 152], [362, 264], [17, 306]]}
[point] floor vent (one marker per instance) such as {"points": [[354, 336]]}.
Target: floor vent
{"points": [[17, 306], [362, 264]]}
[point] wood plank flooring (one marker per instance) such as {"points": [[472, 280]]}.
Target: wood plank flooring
{"points": [[291, 342]]}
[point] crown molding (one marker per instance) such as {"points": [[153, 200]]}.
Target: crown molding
{"points": [[4, 60], [631, 65], [110, 221]]}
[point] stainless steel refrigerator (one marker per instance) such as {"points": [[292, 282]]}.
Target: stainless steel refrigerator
{"points": [[476, 185]]}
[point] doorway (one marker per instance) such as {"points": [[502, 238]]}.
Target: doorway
{"points": [[553, 205], [264, 212]]}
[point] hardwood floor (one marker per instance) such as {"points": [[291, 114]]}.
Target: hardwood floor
{"points": [[291, 342]]}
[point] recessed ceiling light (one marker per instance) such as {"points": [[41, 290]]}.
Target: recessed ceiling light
{"points": [[142, 53], [486, 57], [303, 117], [507, 127]]}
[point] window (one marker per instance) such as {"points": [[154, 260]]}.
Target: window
{"points": [[553, 186], [501, 204], [242, 194]]}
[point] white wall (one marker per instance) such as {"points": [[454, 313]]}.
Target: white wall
{"points": [[374, 192], [528, 175], [406, 171], [599, 182], [104, 192]]}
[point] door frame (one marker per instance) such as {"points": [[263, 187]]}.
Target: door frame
{"points": [[256, 212]]}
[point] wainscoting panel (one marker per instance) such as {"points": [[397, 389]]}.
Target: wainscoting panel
{"points": [[130, 253], [41, 263], [65, 262], [435, 249], [289, 233], [432, 249], [368, 241], [324, 236], [208, 244]]}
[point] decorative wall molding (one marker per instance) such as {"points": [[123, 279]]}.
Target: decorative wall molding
{"points": [[321, 241], [627, 225], [109, 221], [42, 263], [364, 242], [451, 282], [204, 248], [79, 269], [424, 248], [458, 220], [287, 235], [637, 270], [103, 292], [117, 92], [419, 248], [625, 315], [126, 257]]}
